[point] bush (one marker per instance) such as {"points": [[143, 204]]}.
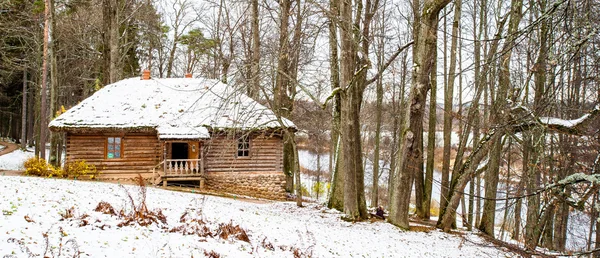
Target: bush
{"points": [[319, 188], [79, 169], [39, 167], [304, 190]]}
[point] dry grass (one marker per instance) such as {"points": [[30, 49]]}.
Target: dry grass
{"points": [[226, 230], [192, 226], [69, 213], [421, 228], [138, 211], [105, 208], [140, 214], [212, 254], [267, 245]]}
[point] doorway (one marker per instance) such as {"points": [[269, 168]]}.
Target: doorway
{"points": [[179, 150]]}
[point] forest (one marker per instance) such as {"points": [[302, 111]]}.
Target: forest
{"points": [[501, 99]]}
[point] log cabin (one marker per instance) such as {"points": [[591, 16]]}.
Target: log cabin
{"points": [[179, 129]]}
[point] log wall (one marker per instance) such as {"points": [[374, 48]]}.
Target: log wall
{"points": [[266, 155], [260, 174], [141, 152]]}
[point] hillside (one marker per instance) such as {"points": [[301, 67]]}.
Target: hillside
{"points": [[63, 210]]}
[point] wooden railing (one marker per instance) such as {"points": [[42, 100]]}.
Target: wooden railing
{"points": [[183, 167]]}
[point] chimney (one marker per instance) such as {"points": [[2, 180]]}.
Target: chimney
{"points": [[146, 75], [188, 75]]}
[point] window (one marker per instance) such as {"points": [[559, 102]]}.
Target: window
{"points": [[243, 149], [113, 147]]}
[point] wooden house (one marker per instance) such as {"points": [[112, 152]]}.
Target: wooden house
{"points": [[180, 129]]}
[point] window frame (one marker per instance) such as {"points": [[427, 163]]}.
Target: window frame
{"points": [[241, 141], [106, 148]]}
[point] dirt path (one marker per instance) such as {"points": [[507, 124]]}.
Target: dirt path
{"points": [[10, 147]]}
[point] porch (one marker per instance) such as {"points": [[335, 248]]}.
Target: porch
{"points": [[182, 161]]}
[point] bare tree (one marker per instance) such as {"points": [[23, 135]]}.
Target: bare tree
{"points": [[411, 153]]}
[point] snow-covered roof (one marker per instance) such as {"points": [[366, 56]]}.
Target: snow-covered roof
{"points": [[178, 108]]}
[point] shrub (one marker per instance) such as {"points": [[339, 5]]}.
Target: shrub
{"points": [[80, 169], [319, 188], [304, 190], [39, 167]]}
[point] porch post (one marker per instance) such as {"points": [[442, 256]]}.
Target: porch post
{"points": [[202, 177], [164, 163]]}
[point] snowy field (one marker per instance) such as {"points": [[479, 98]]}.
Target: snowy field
{"points": [[34, 207]]}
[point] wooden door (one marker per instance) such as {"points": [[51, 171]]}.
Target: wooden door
{"points": [[193, 150]]}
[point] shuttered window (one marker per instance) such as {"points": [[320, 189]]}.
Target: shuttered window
{"points": [[114, 147], [243, 149]]}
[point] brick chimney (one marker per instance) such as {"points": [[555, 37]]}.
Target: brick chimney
{"points": [[188, 75], [146, 75]]}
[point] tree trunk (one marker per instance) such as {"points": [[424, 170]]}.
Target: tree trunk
{"points": [[31, 102], [398, 107], [114, 41], [499, 118], [532, 140], [411, 154], [296, 170], [448, 106], [378, 111], [106, 21], [24, 112], [43, 109], [519, 205], [597, 238], [287, 64], [336, 195], [254, 87], [424, 212], [54, 136]]}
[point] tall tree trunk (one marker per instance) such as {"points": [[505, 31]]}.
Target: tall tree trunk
{"points": [[351, 100], [54, 136], [411, 154], [518, 206], [398, 107], [31, 102], [43, 109], [533, 141], [284, 81], [114, 41], [378, 111], [448, 106], [253, 90], [482, 77], [106, 21], [492, 174], [24, 111], [597, 237], [336, 195], [424, 212]]}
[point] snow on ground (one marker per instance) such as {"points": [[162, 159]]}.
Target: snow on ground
{"points": [[14, 160], [312, 229]]}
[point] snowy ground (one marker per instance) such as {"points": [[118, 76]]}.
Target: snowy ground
{"points": [[14, 160], [312, 230]]}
